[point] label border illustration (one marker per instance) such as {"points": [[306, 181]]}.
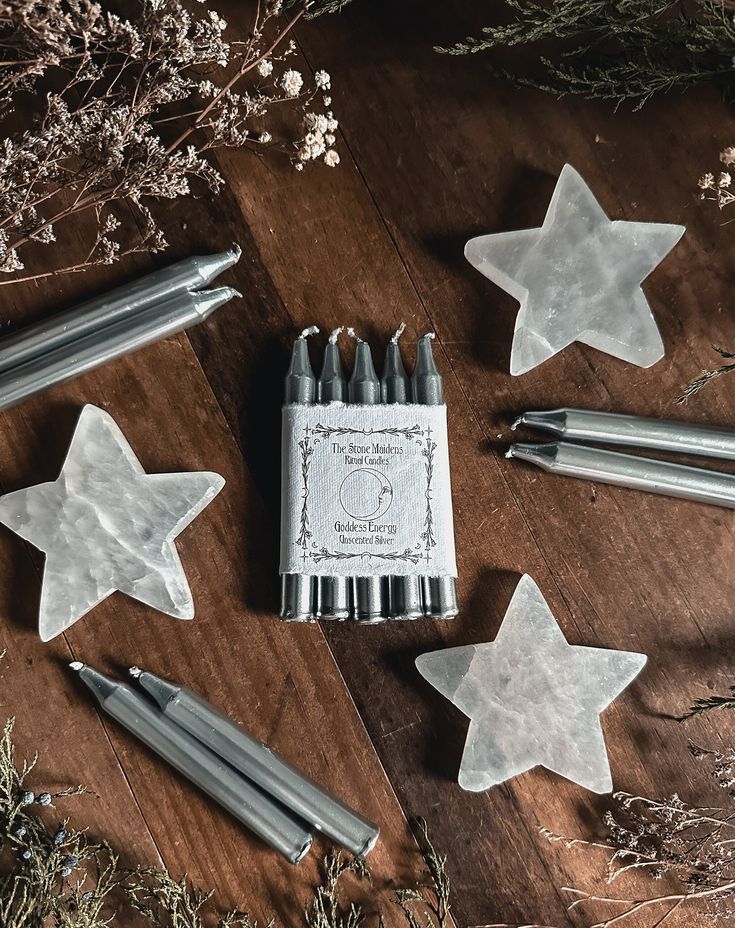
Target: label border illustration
{"points": [[307, 446]]}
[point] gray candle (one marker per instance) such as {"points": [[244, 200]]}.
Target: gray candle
{"points": [[39, 339], [255, 760], [627, 470], [405, 592], [262, 815], [93, 350], [440, 593], [298, 591], [364, 389], [633, 431], [333, 593]]}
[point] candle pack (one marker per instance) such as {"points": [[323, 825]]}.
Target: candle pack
{"points": [[366, 511]]}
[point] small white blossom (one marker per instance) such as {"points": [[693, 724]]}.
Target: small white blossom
{"points": [[327, 101], [292, 82], [265, 137], [299, 166], [332, 123], [706, 182], [329, 139], [727, 156], [331, 159], [265, 67], [724, 180], [322, 80]]}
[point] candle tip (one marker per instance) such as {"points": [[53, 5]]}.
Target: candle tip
{"points": [[135, 671], [516, 422], [236, 252], [430, 335], [311, 330], [335, 334], [399, 331], [353, 334], [509, 453], [76, 665]]}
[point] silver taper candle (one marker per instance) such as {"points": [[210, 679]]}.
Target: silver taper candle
{"points": [[333, 593], [586, 425], [628, 470], [258, 763], [440, 593], [364, 388], [298, 591], [262, 815], [193, 273], [405, 592], [113, 341]]}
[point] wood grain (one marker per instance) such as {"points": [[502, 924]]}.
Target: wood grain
{"points": [[433, 151]]}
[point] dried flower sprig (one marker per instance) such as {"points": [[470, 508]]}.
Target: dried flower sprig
{"points": [[119, 113]]}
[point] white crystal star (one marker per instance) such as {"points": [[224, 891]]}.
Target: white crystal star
{"points": [[531, 697], [106, 525], [578, 278]]}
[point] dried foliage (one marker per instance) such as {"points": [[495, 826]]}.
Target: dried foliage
{"points": [[707, 703], [54, 876], [707, 376], [620, 50], [106, 115]]}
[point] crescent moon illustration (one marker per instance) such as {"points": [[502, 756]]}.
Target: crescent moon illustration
{"points": [[366, 494]]}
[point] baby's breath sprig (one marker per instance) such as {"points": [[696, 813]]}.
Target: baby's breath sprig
{"points": [[111, 115]]}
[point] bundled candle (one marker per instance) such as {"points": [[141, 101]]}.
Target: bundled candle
{"points": [[366, 518]]}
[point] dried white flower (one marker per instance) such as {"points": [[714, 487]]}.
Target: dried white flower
{"points": [[331, 158], [727, 156], [292, 82], [724, 179], [265, 67], [706, 182], [322, 80]]}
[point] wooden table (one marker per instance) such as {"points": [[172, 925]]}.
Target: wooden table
{"points": [[433, 152]]}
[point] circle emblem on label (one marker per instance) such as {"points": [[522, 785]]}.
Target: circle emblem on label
{"points": [[365, 494]]}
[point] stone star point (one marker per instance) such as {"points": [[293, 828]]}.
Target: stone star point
{"points": [[531, 697], [578, 278]]}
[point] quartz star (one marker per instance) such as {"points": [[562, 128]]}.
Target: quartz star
{"points": [[531, 697], [106, 525], [578, 278]]}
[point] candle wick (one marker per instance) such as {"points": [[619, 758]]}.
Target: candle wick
{"points": [[76, 665], [353, 334], [431, 335], [135, 671], [516, 423], [399, 331], [312, 330], [335, 335]]}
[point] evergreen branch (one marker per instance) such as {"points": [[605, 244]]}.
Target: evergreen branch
{"points": [[707, 376], [707, 703]]}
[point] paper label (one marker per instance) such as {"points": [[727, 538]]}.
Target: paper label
{"points": [[366, 491]]}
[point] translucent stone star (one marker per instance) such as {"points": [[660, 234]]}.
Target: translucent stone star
{"points": [[531, 697], [106, 525], [578, 278]]}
